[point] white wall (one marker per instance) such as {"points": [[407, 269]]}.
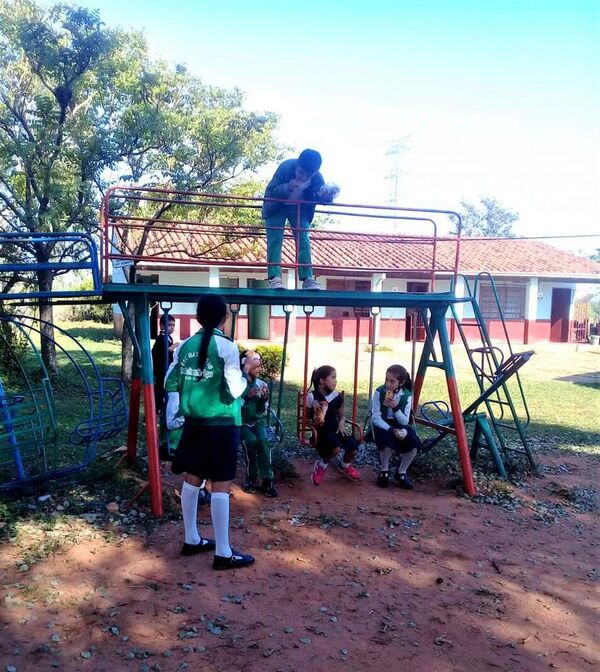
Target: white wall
{"points": [[544, 307]]}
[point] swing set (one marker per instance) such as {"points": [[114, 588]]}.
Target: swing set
{"points": [[152, 228], [188, 230]]}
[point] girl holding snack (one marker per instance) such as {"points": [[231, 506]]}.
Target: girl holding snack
{"points": [[325, 407], [255, 402], [390, 416]]}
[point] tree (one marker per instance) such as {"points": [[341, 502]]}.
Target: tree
{"points": [[50, 149], [182, 135], [489, 220], [81, 104]]}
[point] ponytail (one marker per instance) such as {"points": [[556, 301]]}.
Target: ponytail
{"points": [[210, 312], [202, 355]]}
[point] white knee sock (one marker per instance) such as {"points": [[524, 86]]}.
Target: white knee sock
{"points": [[384, 459], [405, 461], [189, 508], [219, 511]]}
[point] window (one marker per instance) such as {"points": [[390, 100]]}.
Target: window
{"points": [[512, 301], [345, 285]]}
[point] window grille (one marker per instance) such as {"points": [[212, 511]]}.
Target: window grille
{"points": [[512, 301]]}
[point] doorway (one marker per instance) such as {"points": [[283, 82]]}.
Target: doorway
{"points": [[414, 320], [559, 315]]}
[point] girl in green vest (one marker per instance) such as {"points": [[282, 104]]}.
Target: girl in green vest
{"points": [[391, 406], [206, 377]]}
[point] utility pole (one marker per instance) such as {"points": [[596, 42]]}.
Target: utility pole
{"points": [[394, 149]]}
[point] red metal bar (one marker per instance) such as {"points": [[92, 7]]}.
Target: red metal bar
{"points": [[152, 447], [356, 346], [360, 206], [307, 315], [179, 226], [193, 198], [457, 257], [297, 242], [461, 436]]}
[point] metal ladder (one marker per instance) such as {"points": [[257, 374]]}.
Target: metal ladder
{"points": [[492, 372]]}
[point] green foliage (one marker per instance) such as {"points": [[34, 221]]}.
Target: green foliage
{"points": [[93, 311], [271, 359], [13, 346], [594, 306], [490, 220], [81, 104], [9, 515], [382, 347]]}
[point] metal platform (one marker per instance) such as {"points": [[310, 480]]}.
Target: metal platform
{"points": [[115, 292]]}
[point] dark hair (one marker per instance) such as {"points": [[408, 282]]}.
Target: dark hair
{"points": [[319, 374], [310, 160], [162, 320], [210, 312], [401, 374]]}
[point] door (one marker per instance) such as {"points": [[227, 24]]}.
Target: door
{"points": [[559, 315], [414, 316]]}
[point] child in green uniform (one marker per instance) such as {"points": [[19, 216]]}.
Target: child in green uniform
{"points": [[206, 376], [254, 419]]}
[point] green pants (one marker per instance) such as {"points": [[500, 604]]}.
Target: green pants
{"points": [[275, 228], [258, 451]]}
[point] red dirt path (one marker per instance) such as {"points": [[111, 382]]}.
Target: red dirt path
{"points": [[348, 577]]}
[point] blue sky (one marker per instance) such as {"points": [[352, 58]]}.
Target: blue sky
{"points": [[497, 98]]}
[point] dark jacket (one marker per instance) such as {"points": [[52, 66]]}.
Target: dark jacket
{"points": [[159, 362], [278, 187]]}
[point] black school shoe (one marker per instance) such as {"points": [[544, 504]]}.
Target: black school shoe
{"points": [[268, 488], [250, 485], [235, 561], [404, 481], [383, 480], [203, 547]]}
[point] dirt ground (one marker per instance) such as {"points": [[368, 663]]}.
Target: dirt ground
{"points": [[347, 577]]}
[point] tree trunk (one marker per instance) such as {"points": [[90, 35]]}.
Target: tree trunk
{"points": [[48, 347], [127, 347]]}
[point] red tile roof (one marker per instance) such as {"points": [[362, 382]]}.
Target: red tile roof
{"points": [[391, 253]]}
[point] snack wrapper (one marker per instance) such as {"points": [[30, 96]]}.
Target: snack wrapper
{"points": [[320, 411]]}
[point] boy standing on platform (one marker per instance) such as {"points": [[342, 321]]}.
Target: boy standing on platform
{"points": [[297, 180]]}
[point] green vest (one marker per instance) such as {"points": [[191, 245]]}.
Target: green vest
{"points": [[253, 407], [203, 395], [402, 402]]}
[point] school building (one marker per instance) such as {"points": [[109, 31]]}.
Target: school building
{"points": [[539, 285]]}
